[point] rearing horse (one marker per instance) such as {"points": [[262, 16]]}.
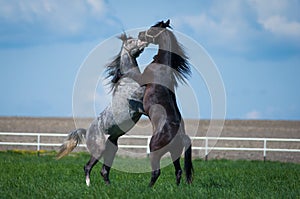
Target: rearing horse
{"points": [[117, 118], [160, 78]]}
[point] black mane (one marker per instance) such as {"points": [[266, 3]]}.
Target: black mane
{"points": [[179, 60], [112, 69], [162, 24]]}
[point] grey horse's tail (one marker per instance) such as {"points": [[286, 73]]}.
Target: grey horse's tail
{"points": [[188, 165], [74, 138]]}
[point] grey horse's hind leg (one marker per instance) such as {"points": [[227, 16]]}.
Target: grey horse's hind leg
{"points": [[111, 149], [105, 173], [88, 168]]}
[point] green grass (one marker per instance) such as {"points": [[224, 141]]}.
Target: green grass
{"points": [[28, 176]]}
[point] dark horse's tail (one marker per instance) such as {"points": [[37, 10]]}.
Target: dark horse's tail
{"points": [[188, 165], [74, 138]]}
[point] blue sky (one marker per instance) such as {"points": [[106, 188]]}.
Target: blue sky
{"points": [[255, 45]]}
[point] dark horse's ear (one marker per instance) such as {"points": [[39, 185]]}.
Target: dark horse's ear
{"points": [[161, 24], [167, 24]]}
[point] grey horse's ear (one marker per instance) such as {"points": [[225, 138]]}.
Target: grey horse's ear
{"points": [[123, 37]]}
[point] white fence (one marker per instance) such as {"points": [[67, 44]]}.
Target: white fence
{"points": [[206, 140]]}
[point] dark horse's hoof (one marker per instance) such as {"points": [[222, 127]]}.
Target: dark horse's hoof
{"points": [[107, 182], [178, 177], [104, 174], [155, 174]]}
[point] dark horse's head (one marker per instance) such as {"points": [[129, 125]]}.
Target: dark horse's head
{"points": [[125, 61], [170, 52]]}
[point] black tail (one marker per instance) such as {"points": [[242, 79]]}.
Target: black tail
{"points": [[188, 165], [74, 138]]}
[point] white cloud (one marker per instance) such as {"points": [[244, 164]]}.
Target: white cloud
{"points": [[222, 23], [220, 20], [252, 115], [279, 17], [266, 9], [238, 27], [279, 25], [67, 17], [208, 29], [98, 6]]}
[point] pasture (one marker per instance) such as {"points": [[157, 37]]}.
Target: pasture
{"points": [[25, 175]]}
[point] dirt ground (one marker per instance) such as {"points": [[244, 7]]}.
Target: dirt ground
{"points": [[230, 128]]}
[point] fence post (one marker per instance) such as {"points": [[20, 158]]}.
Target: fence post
{"points": [[38, 144], [206, 149], [148, 146], [265, 149]]}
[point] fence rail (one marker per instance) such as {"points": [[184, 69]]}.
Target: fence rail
{"points": [[206, 146]]}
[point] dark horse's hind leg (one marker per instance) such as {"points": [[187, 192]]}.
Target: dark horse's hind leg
{"points": [[176, 150], [88, 168], [155, 165], [111, 149], [178, 170]]}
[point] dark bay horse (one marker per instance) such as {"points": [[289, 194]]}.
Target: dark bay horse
{"points": [[160, 77], [117, 118]]}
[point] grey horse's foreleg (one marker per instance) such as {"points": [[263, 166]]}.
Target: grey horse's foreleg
{"points": [[136, 106], [136, 100]]}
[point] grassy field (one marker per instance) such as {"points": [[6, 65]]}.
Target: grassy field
{"points": [[29, 176]]}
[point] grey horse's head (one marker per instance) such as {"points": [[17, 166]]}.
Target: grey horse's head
{"points": [[125, 62]]}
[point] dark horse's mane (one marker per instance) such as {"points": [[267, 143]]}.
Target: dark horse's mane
{"points": [[179, 61]]}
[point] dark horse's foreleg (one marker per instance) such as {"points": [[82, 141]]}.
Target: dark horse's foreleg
{"points": [[88, 168], [111, 149]]}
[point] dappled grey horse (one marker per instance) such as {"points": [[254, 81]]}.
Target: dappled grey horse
{"points": [[117, 118]]}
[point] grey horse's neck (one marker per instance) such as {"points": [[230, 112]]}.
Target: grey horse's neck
{"points": [[129, 66]]}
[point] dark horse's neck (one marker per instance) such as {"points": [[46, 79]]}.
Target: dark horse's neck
{"points": [[163, 57], [177, 61]]}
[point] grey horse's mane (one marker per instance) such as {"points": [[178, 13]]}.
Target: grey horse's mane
{"points": [[113, 68]]}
